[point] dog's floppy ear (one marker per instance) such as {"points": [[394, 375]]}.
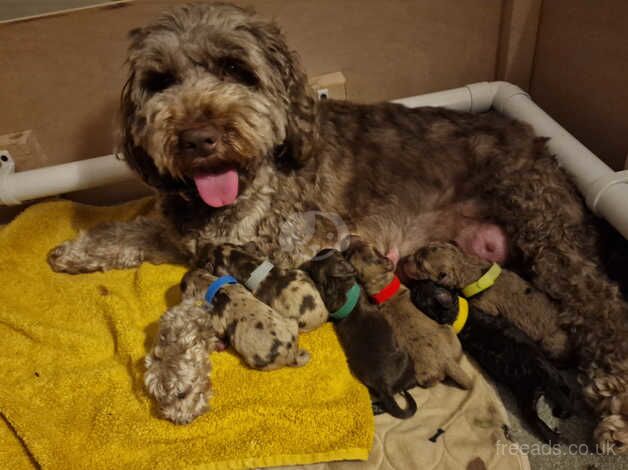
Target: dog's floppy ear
{"points": [[134, 155], [301, 109]]}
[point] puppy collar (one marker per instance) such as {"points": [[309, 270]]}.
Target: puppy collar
{"points": [[486, 281], [215, 286], [388, 291], [258, 275], [463, 315], [352, 296]]}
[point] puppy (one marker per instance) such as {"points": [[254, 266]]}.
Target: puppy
{"points": [[413, 331], [264, 339], [527, 308], [504, 351], [366, 337], [290, 293]]}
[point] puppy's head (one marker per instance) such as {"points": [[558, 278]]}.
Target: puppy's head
{"points": [[437, 302], [229, 258], [213, 94], [373, 267], [333, 276], [439, 261]]}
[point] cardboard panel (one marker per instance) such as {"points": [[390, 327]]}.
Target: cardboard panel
{"points": [[581, 72], [62, 74], [519, 26]]}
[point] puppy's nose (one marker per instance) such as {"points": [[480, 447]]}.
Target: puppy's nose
{"points": [[198, 142]]}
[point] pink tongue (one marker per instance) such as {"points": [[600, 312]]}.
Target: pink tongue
{"points": [[218, 189]]}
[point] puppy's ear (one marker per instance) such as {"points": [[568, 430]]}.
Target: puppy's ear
{"points": [[443, 297], [342, 270], [252, 249]]}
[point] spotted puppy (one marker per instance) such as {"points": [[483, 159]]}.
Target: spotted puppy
{"points": [[290, 293], [503, 350], [413, 330], [509, 295], [366, 337], [262, 337]]}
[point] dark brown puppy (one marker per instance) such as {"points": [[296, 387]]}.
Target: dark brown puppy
{"points": [[367, 338], [410, 325], [505, 352]]}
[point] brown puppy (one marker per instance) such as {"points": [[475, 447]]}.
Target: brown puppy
{"points": [[410, 325], [367, 338], [511, 296], [264, 339], [290, 292]]}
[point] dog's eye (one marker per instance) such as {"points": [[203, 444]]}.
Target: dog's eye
{"points": [[441, 276], [154, 82], [237, 70]]}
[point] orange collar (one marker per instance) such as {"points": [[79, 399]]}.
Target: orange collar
{"points": [[387, 292]]}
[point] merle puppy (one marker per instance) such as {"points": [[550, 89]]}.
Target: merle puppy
{"points": [[372, 352], [505, 352]]}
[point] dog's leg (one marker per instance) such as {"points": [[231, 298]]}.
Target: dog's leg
{"points": [[548, 226], [178, 367], [115, 245]]}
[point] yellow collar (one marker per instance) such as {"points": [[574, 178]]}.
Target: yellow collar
{"points": [[463, 314], [486, 281]]}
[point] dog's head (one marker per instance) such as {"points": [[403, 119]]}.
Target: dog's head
{"points": [[213, 93]]}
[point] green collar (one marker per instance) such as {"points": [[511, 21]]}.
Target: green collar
{"points": [[353, 295], [485, 281]]}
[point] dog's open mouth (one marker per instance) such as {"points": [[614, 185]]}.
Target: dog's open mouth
{"points": [[218, 189]]}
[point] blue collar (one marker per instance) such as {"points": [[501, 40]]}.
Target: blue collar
{"points": [[215, 286]]}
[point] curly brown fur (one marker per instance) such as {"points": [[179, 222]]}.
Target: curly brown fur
{"points": [[398, 177], [512, 297], [290, 292], [375, 271], [504, 351], [264, 339], [365, 335], [178, 367]]}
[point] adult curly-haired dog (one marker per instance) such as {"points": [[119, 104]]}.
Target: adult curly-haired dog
{"points": [[218, 117]]}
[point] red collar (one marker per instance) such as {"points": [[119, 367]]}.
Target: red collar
{"points": [[388, 291]]}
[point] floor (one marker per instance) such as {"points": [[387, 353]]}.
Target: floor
{"points": [[571, 456]]}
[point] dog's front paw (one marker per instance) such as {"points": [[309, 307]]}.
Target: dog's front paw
{"points": [[180, 386], [71, 257]]}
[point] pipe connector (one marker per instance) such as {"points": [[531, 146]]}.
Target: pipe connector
{"points": [[599, 187]]}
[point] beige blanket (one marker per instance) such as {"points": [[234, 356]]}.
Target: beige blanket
{"points": [[473, 438]]}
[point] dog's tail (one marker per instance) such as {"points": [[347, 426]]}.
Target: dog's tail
{"points": [[389, 405]]}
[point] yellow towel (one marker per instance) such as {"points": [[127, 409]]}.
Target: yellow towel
{"points": [[71, 362]]}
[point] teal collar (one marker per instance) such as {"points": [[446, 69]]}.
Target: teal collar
{"points": [[353, 295]]}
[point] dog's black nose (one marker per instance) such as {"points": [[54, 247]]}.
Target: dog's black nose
{"points": [[198, 142]]}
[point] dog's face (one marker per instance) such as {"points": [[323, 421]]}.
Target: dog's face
{"points": [[213, 93]]}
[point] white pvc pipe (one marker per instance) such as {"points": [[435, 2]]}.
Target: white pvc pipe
{"points": [[605, 191], [18, 187]]}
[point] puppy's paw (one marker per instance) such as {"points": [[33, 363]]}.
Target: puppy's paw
{"points": [[303, 357]]}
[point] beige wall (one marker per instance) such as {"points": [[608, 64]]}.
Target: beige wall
{"points": [[62, 74], [581, 72]]}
